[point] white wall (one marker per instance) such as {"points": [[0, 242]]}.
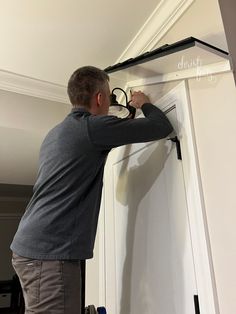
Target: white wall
{"points": [[214, 115], [24, 121], [203, 21], [214, 110]]}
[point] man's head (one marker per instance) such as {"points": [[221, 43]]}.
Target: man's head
{"points": [[88, 87]]}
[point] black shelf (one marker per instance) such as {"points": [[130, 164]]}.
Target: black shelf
{"points": [[164, 51]]}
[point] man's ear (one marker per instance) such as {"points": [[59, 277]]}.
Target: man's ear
{"points": [[99, 99]]}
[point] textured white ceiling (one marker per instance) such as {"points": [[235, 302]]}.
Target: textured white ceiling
{"points": [[49, 39]]}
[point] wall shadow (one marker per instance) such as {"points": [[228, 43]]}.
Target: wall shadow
{"points": [[153, 272], [132, 186]]}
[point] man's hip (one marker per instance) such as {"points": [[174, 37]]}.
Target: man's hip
{"points": [[49, 286]]}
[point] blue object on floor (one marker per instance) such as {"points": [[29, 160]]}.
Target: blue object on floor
{"points": [[101, 310]]}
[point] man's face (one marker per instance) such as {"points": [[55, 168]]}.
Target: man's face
{"points": [[105, 99]]}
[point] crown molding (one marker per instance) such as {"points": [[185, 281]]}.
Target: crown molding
{"points": [[25, 85], [157, 25]]}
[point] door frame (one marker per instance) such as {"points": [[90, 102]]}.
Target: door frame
{"points": [[205, 279]]}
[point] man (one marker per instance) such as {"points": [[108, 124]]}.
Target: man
{"points": [[59, 225]]}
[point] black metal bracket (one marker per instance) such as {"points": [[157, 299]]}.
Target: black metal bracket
{"points": [[196, 304], [160, 52], [178, 147]]}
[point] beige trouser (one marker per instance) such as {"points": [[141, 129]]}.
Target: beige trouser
{"points": [[49, 287]]}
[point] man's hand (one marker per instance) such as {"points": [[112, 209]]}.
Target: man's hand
{"points": [[138, 99]]}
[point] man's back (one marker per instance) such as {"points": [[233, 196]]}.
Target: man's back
{"points": [[61, 219]]}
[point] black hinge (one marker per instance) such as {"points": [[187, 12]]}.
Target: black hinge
{"points": [[178, 147], [196, 304]]}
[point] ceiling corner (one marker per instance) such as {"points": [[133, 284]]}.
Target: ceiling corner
{"points": [[157, 25]]}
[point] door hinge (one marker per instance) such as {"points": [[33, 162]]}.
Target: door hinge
{"points": [[178, 147], [196, 304]]}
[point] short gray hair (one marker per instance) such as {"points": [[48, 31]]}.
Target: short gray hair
{"points": [[84, 83]]}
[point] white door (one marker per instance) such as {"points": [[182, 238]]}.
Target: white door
{"points": [[149, 261]]}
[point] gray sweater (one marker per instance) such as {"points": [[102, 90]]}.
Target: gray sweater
{"points": [[61, 218]]}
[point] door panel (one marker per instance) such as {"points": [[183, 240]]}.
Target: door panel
{"points": [[141, 229], [153, 263]]}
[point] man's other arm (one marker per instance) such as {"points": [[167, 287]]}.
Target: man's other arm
{"points": [[107, 132]]}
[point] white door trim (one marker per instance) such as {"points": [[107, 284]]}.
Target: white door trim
{"points": [[197, 216], [101, 259], [208, 71]]}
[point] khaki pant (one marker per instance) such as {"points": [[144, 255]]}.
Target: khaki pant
{"points": [[49, 287]]}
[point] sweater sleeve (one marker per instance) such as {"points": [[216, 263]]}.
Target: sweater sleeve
{"points": [[107, 132]]}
